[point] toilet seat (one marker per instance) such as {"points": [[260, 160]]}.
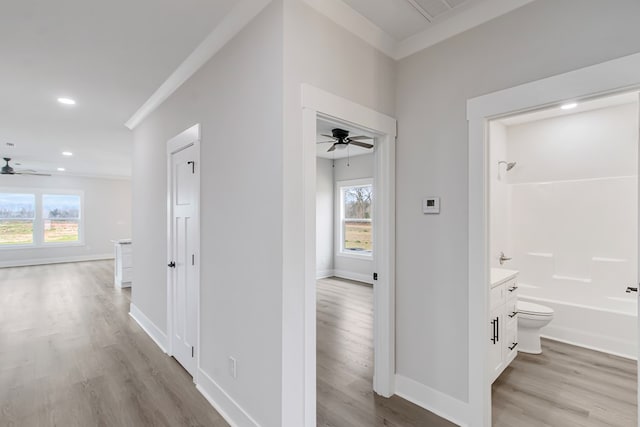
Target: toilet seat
{"points": [[531, 309]]}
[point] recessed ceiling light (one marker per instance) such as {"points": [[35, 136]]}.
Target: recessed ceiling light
{"points": [[61, 169], [67, 153], [66, 101], [569, 106]]}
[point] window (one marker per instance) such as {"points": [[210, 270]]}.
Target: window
{"points": [[37, 218], [17, 216], [61, 217], [356, 234]]}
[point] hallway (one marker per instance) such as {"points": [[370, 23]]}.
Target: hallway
{"points": [[72, 356]]}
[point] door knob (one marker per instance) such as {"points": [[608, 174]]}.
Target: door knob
{"points": [[172, 264], [630, 289]]}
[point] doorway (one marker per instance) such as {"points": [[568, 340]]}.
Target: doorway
{"points": [[318, 104], [183, 228], [612, 77], [563, 239]]}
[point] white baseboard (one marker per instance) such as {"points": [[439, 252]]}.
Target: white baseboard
{"points": [[323, 274], [432, 400], [359, 277], [61, 260], [149, 327], [223, 403], [601, 343]]}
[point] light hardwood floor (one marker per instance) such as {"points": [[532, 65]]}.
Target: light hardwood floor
{"points": [[70, 355], [345, 363], [566, 386]]}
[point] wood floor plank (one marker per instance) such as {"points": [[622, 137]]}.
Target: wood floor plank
{"points": [[345, 364], [566, 386], [70, 355]]}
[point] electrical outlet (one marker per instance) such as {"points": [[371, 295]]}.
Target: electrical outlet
{"points": [[233, 371]]}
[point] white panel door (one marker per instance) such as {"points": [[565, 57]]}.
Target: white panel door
{"points": [[184, 238]]}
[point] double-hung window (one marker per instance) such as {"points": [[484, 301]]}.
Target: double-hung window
{"points": [[355, 216], [40, 218], [17, 218]]}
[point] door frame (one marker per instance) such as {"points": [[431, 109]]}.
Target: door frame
{"points": [[607, 78], [187, 138], [316, 104]]}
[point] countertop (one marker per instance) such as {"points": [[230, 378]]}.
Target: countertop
{"points": [[500, 275]]}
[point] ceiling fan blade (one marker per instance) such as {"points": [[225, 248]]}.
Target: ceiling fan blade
{"points": [[333, 147], [361, 144], [359, 137], [32, 173], [323, 142], [329, 136]]}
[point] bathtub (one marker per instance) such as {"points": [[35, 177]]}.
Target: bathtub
{"points": [[612, 328]]}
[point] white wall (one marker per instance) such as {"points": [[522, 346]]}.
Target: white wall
{"points": [[544, 38], [573, 206], [237, 98], [313, 45], [107, 216], [324, 217], [348, 266]]}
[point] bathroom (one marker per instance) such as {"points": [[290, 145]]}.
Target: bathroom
{"points": [[563, 227]]}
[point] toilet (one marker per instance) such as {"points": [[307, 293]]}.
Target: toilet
{"points": [[531, 318]]}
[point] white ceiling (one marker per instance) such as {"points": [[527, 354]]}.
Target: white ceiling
{"points": [[582, 106], [325, 127], [109, 56], [404, 18]]}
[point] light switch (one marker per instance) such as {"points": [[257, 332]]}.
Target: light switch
{"points": [[431, 205]]}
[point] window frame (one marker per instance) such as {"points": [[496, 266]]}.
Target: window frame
{"points": [[38, 221], [340, 219]]}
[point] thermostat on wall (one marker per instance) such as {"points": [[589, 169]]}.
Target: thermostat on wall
{"points": [[431, 205]]}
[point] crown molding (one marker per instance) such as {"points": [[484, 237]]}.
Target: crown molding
{"points": [[231, 25], [345, 16], [469, 18]]}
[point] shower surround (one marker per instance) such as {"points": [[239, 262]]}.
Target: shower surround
{"points": [[567, 215]]}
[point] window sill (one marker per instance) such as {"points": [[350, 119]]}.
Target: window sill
{"points": [[365, 256], [41, 246]]}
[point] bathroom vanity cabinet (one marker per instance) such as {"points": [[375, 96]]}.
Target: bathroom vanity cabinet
{"points": [[503, 320]]}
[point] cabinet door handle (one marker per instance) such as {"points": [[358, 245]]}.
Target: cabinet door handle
{"points": [[493, 323], [512, 315], [512, 288], [511, 347], [498, 329]]}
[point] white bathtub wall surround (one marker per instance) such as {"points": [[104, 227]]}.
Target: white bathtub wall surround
{"points": [[498, 193], [572, 228], [324, 218]]}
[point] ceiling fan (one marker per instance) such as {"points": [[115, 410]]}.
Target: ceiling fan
{"points": [[8, 170], [341, 139]]}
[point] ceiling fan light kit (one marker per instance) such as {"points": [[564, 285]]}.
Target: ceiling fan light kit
{"points": [[341, 139], [8, 170]]}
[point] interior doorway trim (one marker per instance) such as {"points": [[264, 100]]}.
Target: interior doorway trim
{"points": [[607, 78], [317, 103], [189, 137]]}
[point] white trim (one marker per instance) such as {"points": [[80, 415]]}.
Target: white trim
{"points": [[323, 274], [358, 277], [59, 260], [149, 327], [223, 403], [318, 103], [231, 25], [458, 23], [187, 138], [437, 402], [609, 77], [349, 19], [600, 343]]}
